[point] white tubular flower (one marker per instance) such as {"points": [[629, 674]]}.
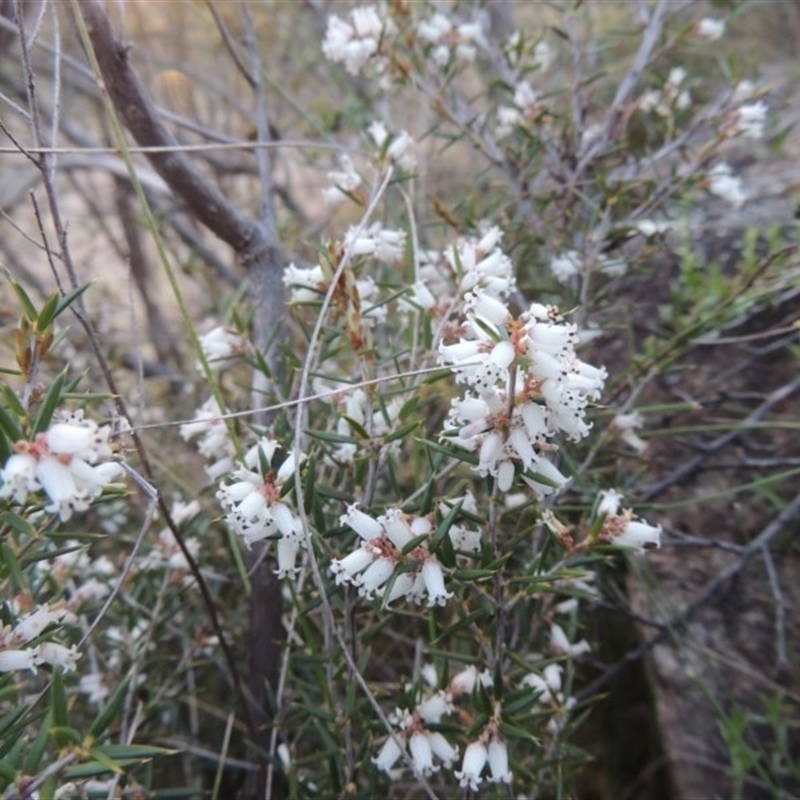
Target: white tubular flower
{"points": [[749, 120], [448, 38], [723, 183], [638, 535], [93, 685], [475, 757], [344, 181], [214, 441], [388, 756], [13, 660], [627, 425], [562, 645], [434, 707], [354, 43], [34, 624], [378, 242], [371, 581], [306, 285], [256, 508], [498, 760], [465, 681], [220, 345], [620, 528], [398, 147], [421, 753], [442, 749], [19, 477], [710, 28], [566, 266], [59, 655]]}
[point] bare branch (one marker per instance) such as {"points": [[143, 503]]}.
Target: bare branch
{"points": [[137, 111]]}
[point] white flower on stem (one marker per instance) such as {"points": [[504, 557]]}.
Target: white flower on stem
{"points": [[388, 756], [475, 757], [449, 38], [355, 42], [566, 266], [547, 685], [723, 183], [373, 566], [498, 760], [562, 645], [306, 284], [59, 655], [745, 90], [424, 746], [63, 463], [256, 506], [551, 389], [376, 241], [464, 682], [749, 120], [398, 147], [484, 265], [220, 345], [94, 685], [711, 28], [214, 440], [627, 424], [13, 660], [526, 107], [344, 181], [620, 528]]}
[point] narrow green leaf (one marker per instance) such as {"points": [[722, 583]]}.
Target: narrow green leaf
{"points": [[38, 747], [10, 426], [446, 524], [109, 712], [49, 405], [12, 565], [333, 438], [459, 455], [68, 299], [30, 309], [48, 312]]}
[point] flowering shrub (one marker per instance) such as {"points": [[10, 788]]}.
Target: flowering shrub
{"points": [[432, 409]]}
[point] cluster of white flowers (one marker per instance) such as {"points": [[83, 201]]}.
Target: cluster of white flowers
{"points": [[67, 462], [397, 147], [723, 183], [357, 41], [220, 345], [749, 120], [379, 567], [257, 507], [449, 38], [490, 748], [621, 528], [525, 107], [376, 241], [571, 263], [526, 384], [215, 442], [344, 181], [673, 97], [412, 732], [166, 553], [81, 577], [16, 655]]}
